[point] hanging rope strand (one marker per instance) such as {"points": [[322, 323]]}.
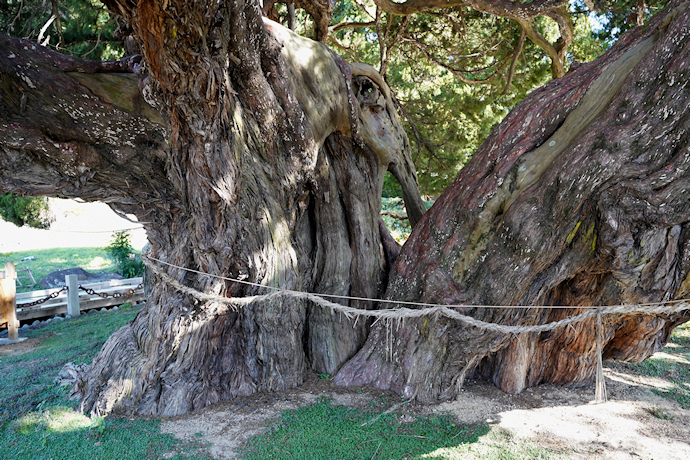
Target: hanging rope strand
{"points": [[401, 312]]}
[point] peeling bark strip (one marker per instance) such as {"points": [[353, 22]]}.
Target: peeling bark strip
{"points": [[580, 197]]}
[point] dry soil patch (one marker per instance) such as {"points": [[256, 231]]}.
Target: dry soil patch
{"points": [[635, 423]]}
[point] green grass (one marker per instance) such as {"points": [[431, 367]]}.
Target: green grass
{"points": [[327, 431], [27, 381], [48, 260], [37, 420], [672, 364]]}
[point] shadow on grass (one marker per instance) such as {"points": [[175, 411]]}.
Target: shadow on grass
{"points": [[327, 431], [38, 421], [62, 433]]}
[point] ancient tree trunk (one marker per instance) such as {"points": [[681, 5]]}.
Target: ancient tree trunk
{"points": [[264, 161], [257, 165], [580, 197]]}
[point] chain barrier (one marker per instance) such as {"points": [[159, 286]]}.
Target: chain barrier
{"points": [[105, 295], [43, 300]]}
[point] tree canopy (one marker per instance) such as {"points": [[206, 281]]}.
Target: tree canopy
{"points": [[455, 68]]}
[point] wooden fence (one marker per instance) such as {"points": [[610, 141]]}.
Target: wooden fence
{"points": [[8, 317], [71, 300]]}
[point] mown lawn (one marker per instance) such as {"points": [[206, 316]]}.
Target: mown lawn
{"points": [[38, 421], [48, 260]]}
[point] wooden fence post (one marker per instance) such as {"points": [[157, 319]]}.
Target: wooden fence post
{"points": [[72, 283], [8, 301]]}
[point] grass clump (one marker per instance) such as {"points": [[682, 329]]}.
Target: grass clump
{"points": [[62, 433], [327, 431], [27, 382], [38, 421]]}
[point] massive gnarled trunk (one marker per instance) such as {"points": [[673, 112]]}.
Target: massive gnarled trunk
{"points": [[264, 161], [580, 197]]}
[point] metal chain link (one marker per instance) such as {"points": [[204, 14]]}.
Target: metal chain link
{"points": [[89, 291], [105, 295], [44, 300]]}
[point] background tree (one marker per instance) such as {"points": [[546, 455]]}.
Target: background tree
{"points": [[78, 27], [32, 212]]}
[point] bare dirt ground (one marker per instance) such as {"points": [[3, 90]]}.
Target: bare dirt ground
{"points": [[634, 423]]}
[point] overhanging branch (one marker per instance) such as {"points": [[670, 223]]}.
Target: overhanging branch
{"points": [[503, 8], [77, 128]]}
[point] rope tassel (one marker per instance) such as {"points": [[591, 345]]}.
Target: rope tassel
{"points": [[600, 389], [428, 309]]}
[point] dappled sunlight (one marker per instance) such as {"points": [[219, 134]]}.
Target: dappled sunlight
{"points": [[63, 420], [496, 443], [98, 263], [667, 357], [645, 381], [53, 420]]}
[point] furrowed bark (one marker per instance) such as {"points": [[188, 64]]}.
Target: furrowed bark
{"points": [[248, 173], [579, 197], [265, 162]]}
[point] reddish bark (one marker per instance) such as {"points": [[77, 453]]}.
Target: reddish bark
{"points": [[573, 200]]}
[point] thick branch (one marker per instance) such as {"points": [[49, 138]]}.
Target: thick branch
{"points": [[350, 25], [503, 8], [516, 55], [68, 130], [322, 12]]}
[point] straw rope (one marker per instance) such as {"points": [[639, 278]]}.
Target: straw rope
{"points": [[429, 310], [401, 313]]}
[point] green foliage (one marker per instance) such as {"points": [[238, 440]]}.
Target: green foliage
{"points": [[394, 216], [45, 261], [618, 16], [449, 72], [21, 210], [79, 27], [391, 187], [129, 264]]}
